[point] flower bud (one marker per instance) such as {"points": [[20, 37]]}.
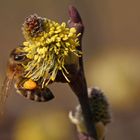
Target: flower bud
{"points": [[100, 112]]}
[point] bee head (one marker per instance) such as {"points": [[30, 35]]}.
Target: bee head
{"points": [[17, 55], [16, 59]]}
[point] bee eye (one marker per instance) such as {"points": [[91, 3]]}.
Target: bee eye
{"points": [[19, 57]]}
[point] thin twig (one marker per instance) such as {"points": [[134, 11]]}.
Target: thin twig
{"points": [[78, 81]]}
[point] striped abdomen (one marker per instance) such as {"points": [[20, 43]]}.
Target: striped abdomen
{"points": [[38, 94]]}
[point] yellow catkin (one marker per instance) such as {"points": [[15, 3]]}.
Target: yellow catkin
{"points": [[29, 84], [48, 46]]}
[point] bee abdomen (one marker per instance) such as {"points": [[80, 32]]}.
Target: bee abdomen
{"points": [[39, 95]]}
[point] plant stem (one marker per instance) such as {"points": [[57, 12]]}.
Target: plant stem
{"points": [[79, 87], [78, 81]]}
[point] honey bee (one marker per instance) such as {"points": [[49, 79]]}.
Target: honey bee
{"points": [[15, 74]]}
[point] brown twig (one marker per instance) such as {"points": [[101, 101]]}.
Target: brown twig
{"points": [[78, 81]]}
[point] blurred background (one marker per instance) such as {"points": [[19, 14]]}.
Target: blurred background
{"points": [[111, 47]]}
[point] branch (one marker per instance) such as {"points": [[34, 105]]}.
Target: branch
{"points": [[78, 81]]}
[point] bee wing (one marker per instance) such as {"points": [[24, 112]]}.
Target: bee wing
{"points": [[4, 92]]}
